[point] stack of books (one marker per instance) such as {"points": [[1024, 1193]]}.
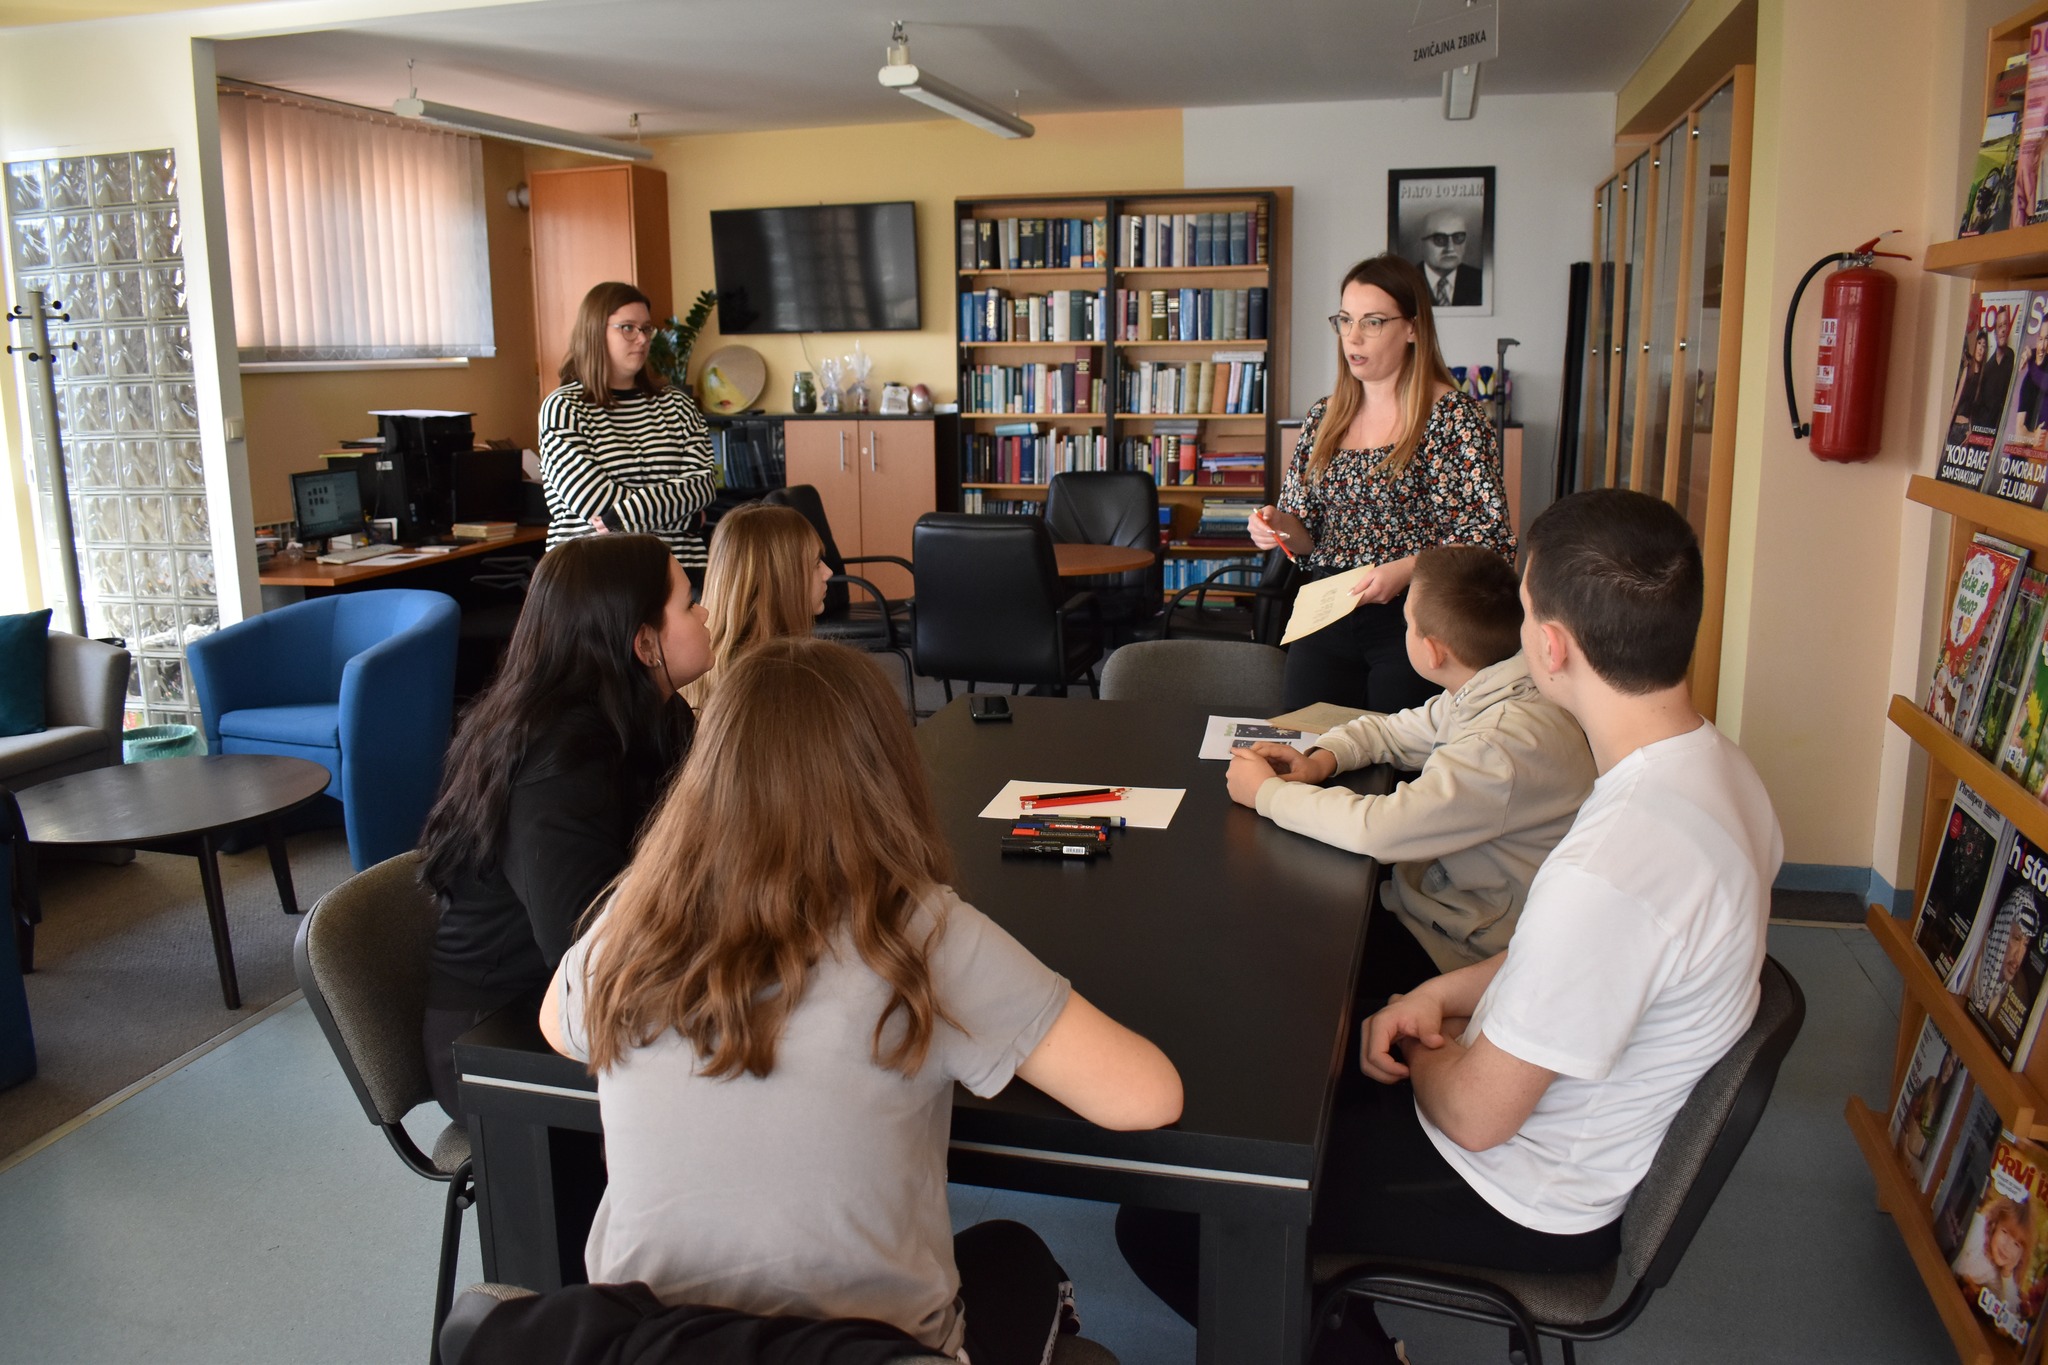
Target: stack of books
{"points": [[483, 530], [1191, 314], [1224, 522]]}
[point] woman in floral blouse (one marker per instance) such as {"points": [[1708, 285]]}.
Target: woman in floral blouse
{"points": [[1394, 461]]}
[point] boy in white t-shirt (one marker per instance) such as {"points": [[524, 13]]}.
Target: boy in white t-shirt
{"points": [[1522, 1098]]}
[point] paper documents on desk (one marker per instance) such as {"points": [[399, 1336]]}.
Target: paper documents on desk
{"points": [[1143, 807], [395, 557], [1225, 733], [1320, 718], [1323, 601]]}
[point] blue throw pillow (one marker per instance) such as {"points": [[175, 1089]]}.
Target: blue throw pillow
{"points": [[24, 659]]}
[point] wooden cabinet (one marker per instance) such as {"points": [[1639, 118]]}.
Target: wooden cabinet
{"points": [[875, 476], [592, 224]]}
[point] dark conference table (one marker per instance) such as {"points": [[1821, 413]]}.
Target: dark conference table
{"points": [[1230, 942]]}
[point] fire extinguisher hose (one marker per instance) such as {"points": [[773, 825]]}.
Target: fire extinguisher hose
{"points": [[1800, 429]]}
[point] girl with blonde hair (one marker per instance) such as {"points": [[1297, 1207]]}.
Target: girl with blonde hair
{"points": [[777, 1002], [766, 578], [1393, 462]]}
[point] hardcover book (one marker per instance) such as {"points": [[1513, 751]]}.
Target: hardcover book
{"points": [[1951, 921], [1992, 335]]}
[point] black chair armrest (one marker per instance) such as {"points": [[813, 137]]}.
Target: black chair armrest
{"points": [[887, 612], [898, 560]]}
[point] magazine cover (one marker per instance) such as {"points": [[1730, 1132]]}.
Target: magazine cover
{"points": [[2021, 472], [2021, 756], [1976, 678], [1952, 916], [1926, 1103], [2027, 205], [1969, 1163], [1980, 599], [2013, 958], [2009, 667], [1992, 332], [1987, 204], [2000, 1260]]}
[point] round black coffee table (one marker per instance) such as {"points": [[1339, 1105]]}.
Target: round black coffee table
{"points": [[181, 805]]}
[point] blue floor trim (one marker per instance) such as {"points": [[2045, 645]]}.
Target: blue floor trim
{"points": [[1859, 881]]}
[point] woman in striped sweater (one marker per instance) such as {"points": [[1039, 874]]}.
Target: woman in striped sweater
{"points": [[621, 449]]}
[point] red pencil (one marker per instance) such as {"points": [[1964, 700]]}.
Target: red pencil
{"points": [[1080, 798]]}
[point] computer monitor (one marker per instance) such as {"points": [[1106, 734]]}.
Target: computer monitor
{"points": [[329, 503]]}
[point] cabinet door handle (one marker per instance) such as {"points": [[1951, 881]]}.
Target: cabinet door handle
{"points": [[871, 452], [842, 452]]}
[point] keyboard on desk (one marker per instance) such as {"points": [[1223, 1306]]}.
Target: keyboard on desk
{"points": [[355, 552]]}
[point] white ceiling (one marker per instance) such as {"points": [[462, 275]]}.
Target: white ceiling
{"points": [[690, 66]]}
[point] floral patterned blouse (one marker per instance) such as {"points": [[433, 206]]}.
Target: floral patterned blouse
{"points": [[1450, 493]]}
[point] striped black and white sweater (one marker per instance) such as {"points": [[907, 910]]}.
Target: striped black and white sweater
{"points": [[644, 463]]}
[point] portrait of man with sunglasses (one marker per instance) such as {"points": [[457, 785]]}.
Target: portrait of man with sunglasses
{"points": [[1446, 236]]}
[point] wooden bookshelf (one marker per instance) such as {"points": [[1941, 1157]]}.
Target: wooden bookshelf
{"points": [[1981, 511], [1219, 432]]}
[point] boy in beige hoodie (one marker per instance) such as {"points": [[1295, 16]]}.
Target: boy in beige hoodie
{"points": [[1502, 774]]}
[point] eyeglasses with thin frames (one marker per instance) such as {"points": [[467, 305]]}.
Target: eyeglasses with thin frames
{"points": [[643, 330], [1372, 324]]}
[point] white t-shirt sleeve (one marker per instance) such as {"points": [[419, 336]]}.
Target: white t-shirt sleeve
{"points": [[1003, 999], [1586, 961], [574, 973]]}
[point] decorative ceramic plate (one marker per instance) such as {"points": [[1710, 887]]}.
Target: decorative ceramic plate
{"points": [[732, 379]]}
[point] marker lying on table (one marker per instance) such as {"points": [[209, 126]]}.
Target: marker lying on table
{"points": [[1050, 847], [1095, 834], [1090, 796], [1071, 824]]}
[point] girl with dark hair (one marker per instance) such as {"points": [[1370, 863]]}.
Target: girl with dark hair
{"points": [[551, 774], [777, 1002], [1394, 461], [620, 448]]}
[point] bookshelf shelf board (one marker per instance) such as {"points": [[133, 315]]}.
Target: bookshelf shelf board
{"points": [[1898, 1196], [1211, 551], [1259, 417], [1168, 491], [1023, 345], [2008, 519], [1971, 768], [1258, 345], [2014, 1096], [1085, 418], [2013, 28], [1041, 272], [1149, 270], [2015, 253]]}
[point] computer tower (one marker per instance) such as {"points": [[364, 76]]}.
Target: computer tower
{"points": [[412, 479], [485, 486]]}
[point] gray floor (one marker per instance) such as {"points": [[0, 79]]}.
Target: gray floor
{"points": [[242, 1210]]}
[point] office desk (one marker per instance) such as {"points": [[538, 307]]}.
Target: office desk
{"points": [[313, 576], [1230, 942]]}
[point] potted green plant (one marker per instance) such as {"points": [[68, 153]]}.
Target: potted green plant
{"points": [[668, 355]]}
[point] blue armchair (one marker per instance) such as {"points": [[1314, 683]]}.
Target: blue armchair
{"points": [[361, 683]]}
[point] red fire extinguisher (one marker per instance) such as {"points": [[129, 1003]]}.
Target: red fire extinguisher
{"points": [[1855, 350]]}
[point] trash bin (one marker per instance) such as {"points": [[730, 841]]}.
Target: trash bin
{"points": [[160, 741]]}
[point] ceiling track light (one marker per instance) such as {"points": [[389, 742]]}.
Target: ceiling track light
{"points": [[518, 130], [905, 78]]}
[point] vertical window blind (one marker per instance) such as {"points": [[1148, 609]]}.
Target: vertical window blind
{"points": [[352, 235]]}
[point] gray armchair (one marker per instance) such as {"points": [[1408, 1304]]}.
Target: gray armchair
{"points": [[86, 689]]}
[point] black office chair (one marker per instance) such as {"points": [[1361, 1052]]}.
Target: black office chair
{"points": [[874, 623], [1119, 507], [989, 606], [361, 958], [1256, 608], [18, 887], [1667, 1208]]}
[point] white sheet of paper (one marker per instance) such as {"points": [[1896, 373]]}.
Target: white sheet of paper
{"points": [[1320, 717], [1221, 730], [395, 557], [1323, 601], [1143, 807]]}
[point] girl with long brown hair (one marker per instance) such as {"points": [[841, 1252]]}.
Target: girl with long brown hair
{"points": [[621, 449], [1394, 461], [766, 578], [552, 772], [777, 1002]]}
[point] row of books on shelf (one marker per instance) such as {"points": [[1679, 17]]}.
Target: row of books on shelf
{"points": [[1997, 436], [978, 502], [1157, 240], [1230, 382], [1059, 315], [1990, 684], [1191, 314], [1024, 452], [1071, 386], [1986, 1190], [1172, 455], [1034, 243], [1186, 572], [1224, 523], [2006, 187]]}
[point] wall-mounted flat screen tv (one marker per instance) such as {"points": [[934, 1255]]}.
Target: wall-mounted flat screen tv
{"points": [[816, 268]]}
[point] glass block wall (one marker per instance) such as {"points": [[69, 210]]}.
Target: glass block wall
{"points": [[101, 235]]}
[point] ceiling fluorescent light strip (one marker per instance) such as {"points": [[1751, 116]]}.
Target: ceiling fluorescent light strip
{"points": [[518, 130], [926, 88]]}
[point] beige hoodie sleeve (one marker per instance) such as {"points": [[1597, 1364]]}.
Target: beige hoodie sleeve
{"points": [[1459, 800], [1404, 739]]}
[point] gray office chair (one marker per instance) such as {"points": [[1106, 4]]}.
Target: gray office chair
{"points": [[479, 1300], [1699, 1150], [361, 958], [1230, 677]]}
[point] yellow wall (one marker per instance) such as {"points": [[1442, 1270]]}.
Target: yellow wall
{"points": [[930, 163], [294, 416]]}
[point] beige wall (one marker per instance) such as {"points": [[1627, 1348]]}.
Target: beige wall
{"points": [[294, 416]]}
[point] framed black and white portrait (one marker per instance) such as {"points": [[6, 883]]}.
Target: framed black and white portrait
{"points": [[1442, 219]]}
